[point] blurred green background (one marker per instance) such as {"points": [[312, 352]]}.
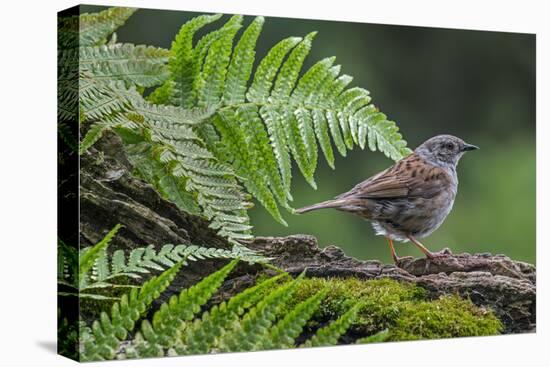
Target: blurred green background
{"points": [[477, 85]]}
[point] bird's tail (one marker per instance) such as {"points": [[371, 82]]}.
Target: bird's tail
{"points": [[335, 203]]}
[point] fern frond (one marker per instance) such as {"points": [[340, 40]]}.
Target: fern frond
{"points": [[165, 328], [67, 264], [67, 96], [91, 29], [92, 136], [167, 152], [201, 336], [267, 70], [182, 63], [285, 332], [379, 337], [330, 334], [144, 260], [238, 141], [247, 335], [143, 73], [96, 28], [210, 82], [120, 53], [154, 172], [242, 60], [87, 258], [103, 339], [140, 65], [294, 114], [257, 122], [162, 94], [100, 100], [67, 135]]}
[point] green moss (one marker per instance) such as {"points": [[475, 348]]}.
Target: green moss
{"points": [[446, 317], [403, 309]]}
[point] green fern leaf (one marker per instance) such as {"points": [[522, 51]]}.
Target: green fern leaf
{"points": [[95, 28], [117, 53], [235, 138], [291, 68], [88, 258], [102, 341], [182, 63], [307, 142], [320, 126], [248, 334], [285, 332], [335, 132], [308, 85], [379, 337], [92, 136], [278, 141], [167, 320], [211, 81], [267, 70], [91, 29], [162, 94], [201, 336], [298, 147], [240, 68], [67, 264], [142, 73], [248, 135], [330, 334], [258, 143]]}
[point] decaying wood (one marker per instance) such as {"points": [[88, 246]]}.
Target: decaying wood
{"points": [[506, 286], [110, 194]]}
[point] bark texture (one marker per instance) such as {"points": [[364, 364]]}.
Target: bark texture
{"points": [[506, 286], [110, 194]]}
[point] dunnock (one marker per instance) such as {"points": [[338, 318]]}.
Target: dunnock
{"points": [[410, 199]]}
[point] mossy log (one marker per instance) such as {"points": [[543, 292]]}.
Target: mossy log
{"points": [[110, 194], [508, 287]]}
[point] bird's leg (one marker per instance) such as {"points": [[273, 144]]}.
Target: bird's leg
{"points": [[392, 249], [426, 252]]}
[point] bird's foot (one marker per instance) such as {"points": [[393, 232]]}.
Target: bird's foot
{"points": [[446, 252]]}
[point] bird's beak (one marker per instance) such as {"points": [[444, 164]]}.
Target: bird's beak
{"points": [[468, 147]]}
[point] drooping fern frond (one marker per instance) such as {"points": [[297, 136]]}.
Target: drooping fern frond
{"points": [[266, 118], [164, 149], [258, 121]]}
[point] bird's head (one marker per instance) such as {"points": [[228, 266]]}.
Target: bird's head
{"points": [[444, 150]]}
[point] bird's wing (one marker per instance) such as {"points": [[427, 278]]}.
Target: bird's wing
{"points": [[410, 177]]}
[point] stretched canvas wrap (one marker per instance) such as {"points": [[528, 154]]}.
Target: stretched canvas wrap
{"points": [[239, 183]]}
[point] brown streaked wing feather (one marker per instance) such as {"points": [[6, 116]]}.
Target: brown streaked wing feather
{"points": [[398, 181]]}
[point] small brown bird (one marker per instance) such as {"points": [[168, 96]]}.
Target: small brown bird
{"points": [[410, 199]]}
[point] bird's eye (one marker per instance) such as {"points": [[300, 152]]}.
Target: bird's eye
{"points": [[449, 146]]}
